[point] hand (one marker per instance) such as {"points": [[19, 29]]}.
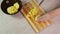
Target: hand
{"points": [[51, 16]]}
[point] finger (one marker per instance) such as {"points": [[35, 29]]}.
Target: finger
{"points": [[51, 15]]}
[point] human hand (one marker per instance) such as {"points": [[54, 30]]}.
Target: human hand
{"points": [[51, 16]]}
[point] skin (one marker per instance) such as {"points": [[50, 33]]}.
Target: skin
{"points": [[50, 16]]}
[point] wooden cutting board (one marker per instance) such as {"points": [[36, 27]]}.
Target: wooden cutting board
{"points": [[31, 11]]}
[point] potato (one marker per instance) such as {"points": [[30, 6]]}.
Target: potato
{"points": [[13, 9]]}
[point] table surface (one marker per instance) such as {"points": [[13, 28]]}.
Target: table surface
{"points": [[17, 24]]}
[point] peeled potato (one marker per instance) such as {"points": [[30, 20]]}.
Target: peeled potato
{"points": [[13, 9], [16, 5]]}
